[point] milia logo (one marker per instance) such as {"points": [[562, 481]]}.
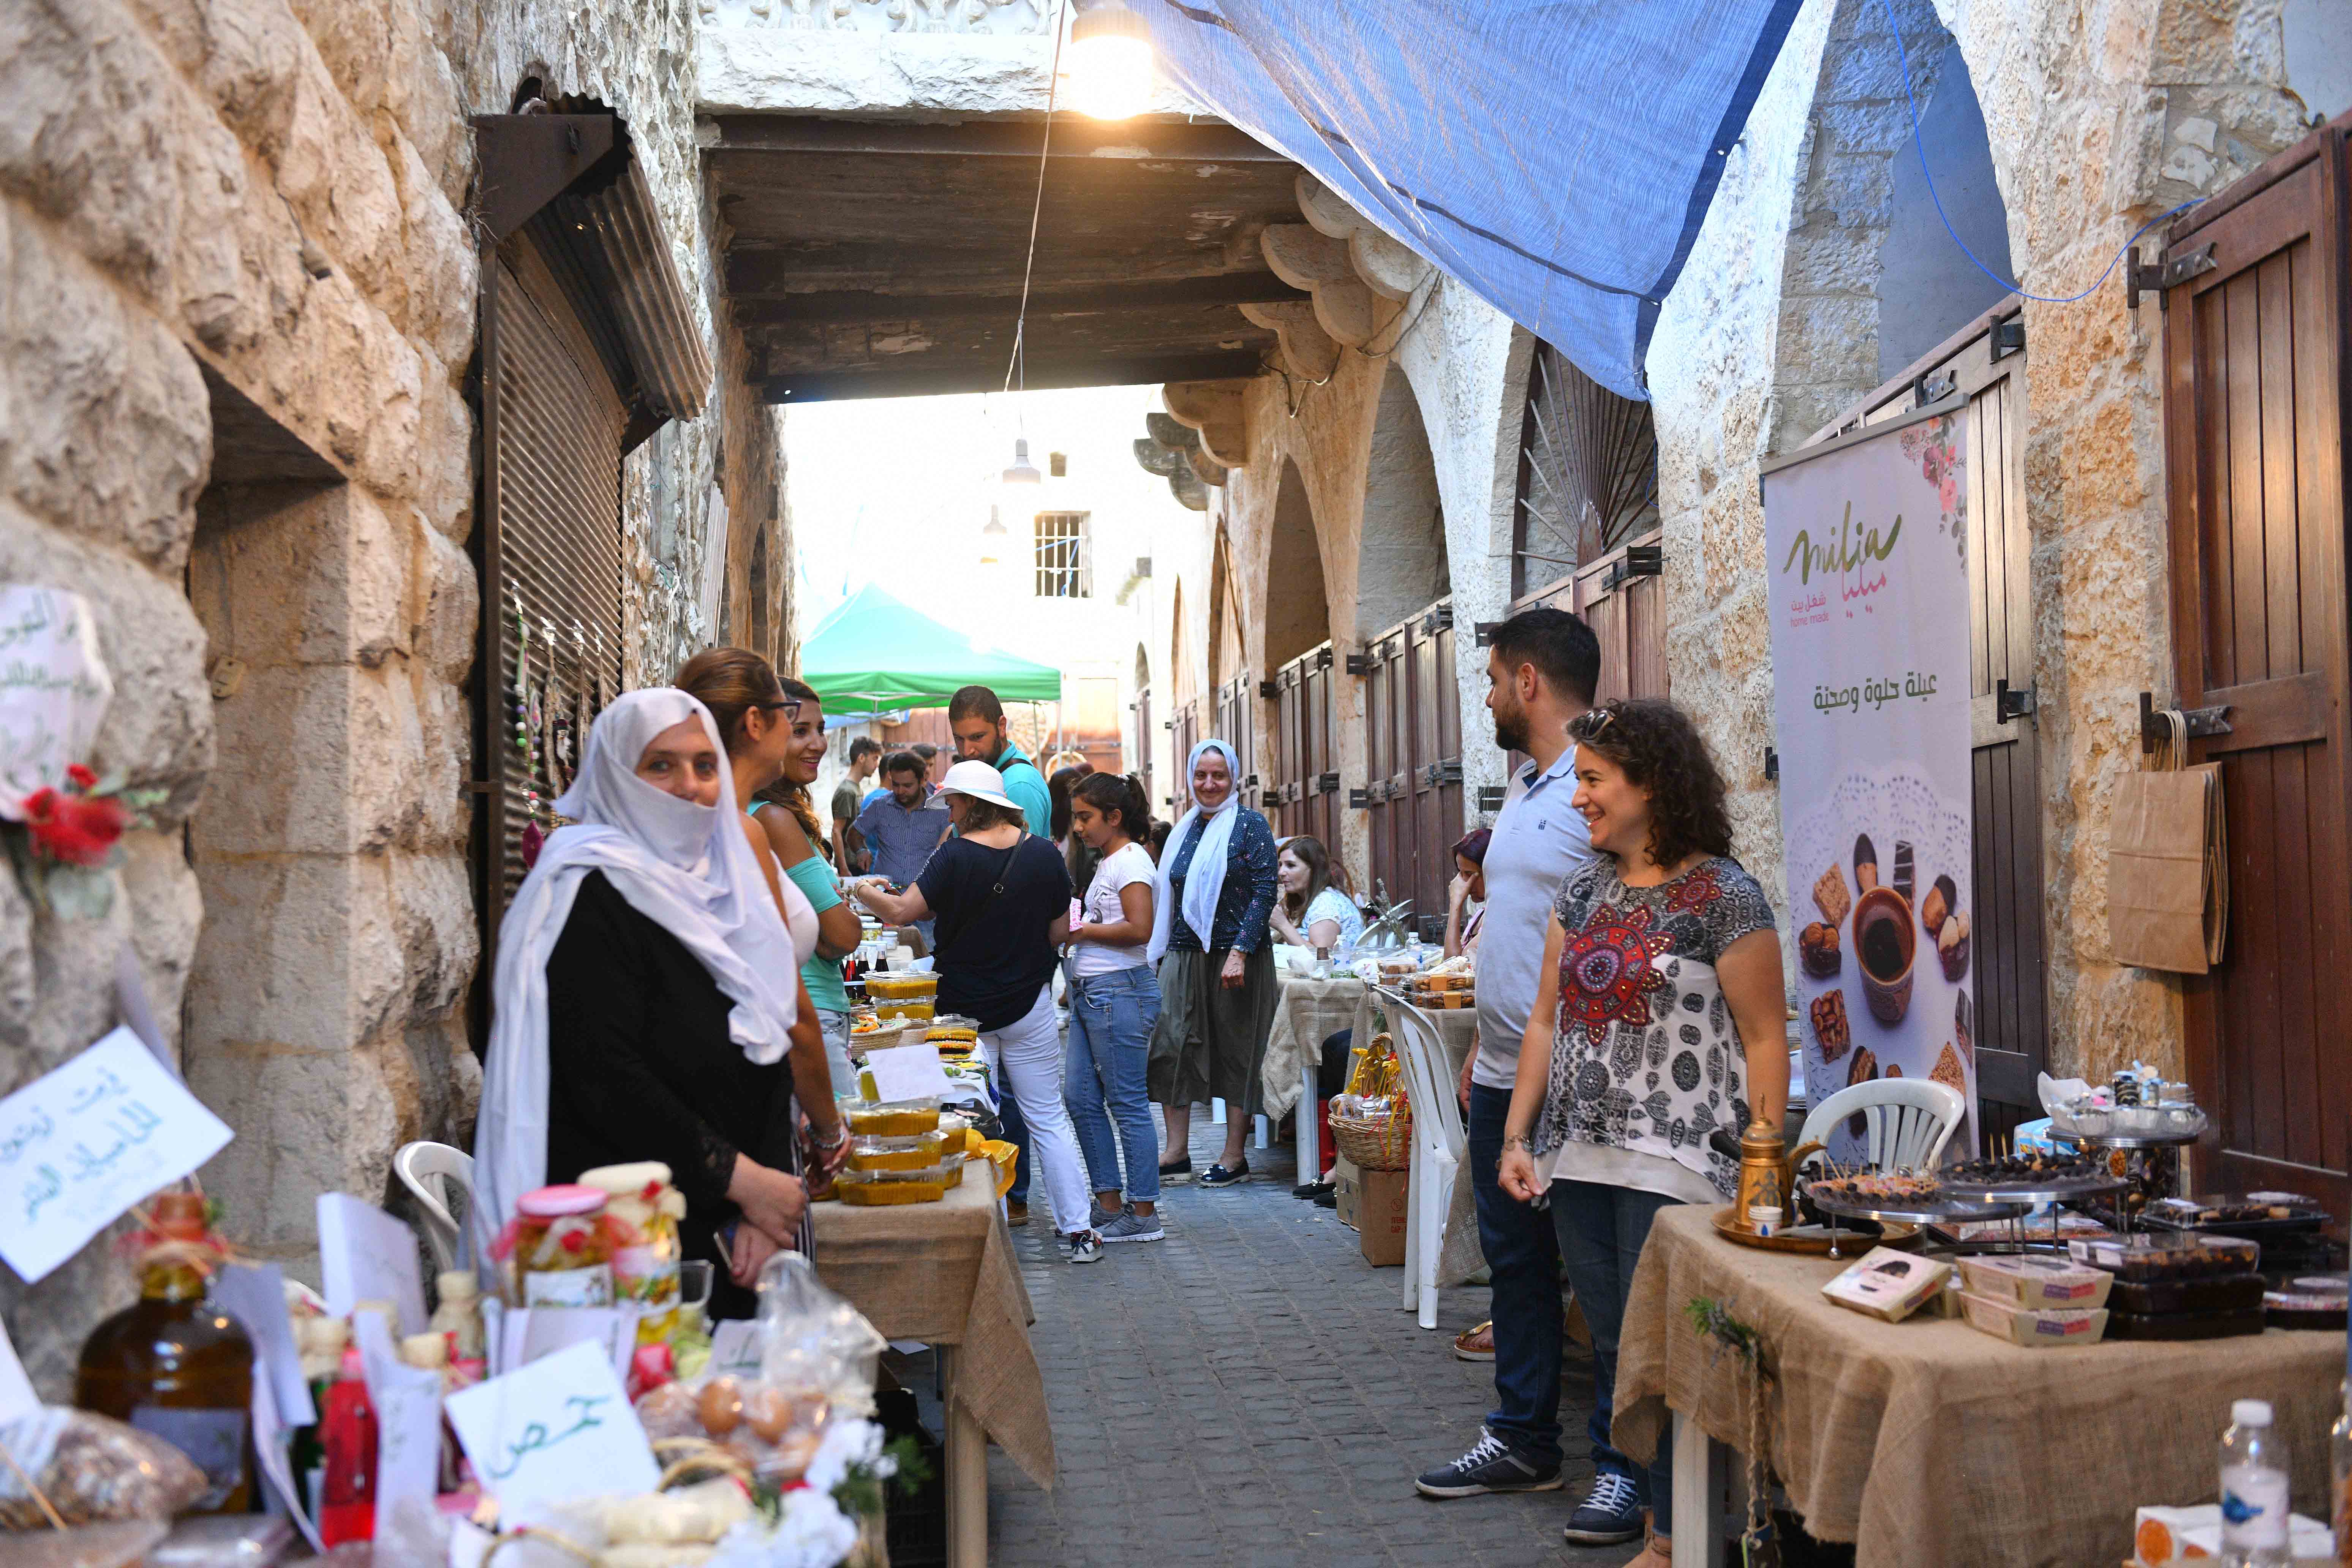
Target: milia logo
{"points": [[1843, 552]]}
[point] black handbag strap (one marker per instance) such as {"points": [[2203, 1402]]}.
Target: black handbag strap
{"points": [[1004, 870]]}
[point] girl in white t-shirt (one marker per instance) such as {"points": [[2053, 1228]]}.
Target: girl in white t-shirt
{"points": [[1114, 1003]]}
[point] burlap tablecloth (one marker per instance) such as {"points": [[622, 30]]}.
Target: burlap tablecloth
{"points": [[1305, 1012], [944, 1273], [1926, 1443]]}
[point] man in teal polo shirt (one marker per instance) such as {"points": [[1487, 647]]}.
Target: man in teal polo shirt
{"points": [[976, 720]]}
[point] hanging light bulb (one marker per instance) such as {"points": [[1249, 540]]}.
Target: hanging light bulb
{"points": [[992, 539], [1110, 60], [1023, 471]]}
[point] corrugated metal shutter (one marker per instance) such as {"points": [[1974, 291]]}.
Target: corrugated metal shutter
{"points": [[550, 540]]}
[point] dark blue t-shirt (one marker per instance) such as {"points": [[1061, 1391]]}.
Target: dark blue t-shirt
{"points": [[994, 953]]}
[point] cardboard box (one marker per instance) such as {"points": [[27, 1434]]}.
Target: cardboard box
{"points": [[1380, 1217], [1351, 1197]]}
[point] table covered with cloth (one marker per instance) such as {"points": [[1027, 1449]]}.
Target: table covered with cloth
{"points": [[1926, 1443], [944, 1273]]}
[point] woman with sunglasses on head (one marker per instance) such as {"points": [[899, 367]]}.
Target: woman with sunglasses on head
{"points": [[768, 726], [644, 999], [1660, 967], [1217, 989]]}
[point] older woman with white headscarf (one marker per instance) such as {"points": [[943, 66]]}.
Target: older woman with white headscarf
{"points": [[1217, 988], [646, 991]]}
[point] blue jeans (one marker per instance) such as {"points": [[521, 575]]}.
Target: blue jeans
{"points": [[1602, 1229], [1111, 1017], [1523, 1257]]}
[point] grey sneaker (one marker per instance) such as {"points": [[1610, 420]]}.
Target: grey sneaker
{"points": [[1086, 1247], [1100, 1217], [1132, 1227]]}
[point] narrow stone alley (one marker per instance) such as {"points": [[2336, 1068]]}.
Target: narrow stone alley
{"points": [[1247, 1391]]}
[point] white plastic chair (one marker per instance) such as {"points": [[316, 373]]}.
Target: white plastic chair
{"points": [[1909, 1121], [1440, 1145], [436, 1176]]}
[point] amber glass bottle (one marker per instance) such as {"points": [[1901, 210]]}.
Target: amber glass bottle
{"points": [[173, 1364]]}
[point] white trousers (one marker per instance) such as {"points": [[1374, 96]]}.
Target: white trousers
{"points": [[1026, 1058]]}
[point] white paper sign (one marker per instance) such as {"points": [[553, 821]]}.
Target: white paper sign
{"points": [[81, 1145], [557, 1428], [270, 1434], [909, 1072], [407, 1401], [527, 1333], [735, 1349], [255, 1295], [365, 1255], [54, 690], [16, 1395]]}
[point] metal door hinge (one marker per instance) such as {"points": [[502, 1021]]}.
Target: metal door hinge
{"points": [[2012, 701], [1272, 798], [1771, 763], [2008, 338], [1440, 774], [1932, 387], [1483, 632], [1326, 783], [1439, 619], [2202, 723], [1269, 689], [1639, 560], [1323, 657], [1358, 665], [1360, 799], [2169, 271]]}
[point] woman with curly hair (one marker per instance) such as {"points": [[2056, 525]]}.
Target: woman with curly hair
{"points": [[1660, 964]]}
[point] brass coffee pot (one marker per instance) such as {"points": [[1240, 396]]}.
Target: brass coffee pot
{"points": [[1766, 1175]]}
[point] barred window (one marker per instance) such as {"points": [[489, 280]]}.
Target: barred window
{"points": [[1065, 564]]}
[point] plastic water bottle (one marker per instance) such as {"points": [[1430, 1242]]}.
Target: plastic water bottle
{"points": [[2254, 1473]]}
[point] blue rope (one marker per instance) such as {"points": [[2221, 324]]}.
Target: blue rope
{"points": [[1920, 146]]}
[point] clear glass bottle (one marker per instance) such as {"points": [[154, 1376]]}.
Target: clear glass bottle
{"points": [[2254, 1471], [173, 1364]]}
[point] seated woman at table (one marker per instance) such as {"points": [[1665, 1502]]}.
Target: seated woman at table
{"points": [[1660, 963], [644, 997], [1217, 987], [1311, 911], [1000, 899]]}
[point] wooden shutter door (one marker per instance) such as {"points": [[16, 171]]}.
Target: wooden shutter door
{"points": [[1319, 778], [2254, 418], [551, 544], [1386, 793]]}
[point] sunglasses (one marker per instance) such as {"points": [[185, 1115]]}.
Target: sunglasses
{"points": [[791, 705], [1589, 726]]}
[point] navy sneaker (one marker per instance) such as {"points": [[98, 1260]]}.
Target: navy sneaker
{"points": [[1609, 1514], [1490, 1465]]}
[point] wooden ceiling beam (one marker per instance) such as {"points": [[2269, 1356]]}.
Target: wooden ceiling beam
{"points": [[1173, 141], [1159, 293], [929, 377]]}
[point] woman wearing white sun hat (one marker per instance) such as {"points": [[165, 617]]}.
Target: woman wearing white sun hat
{"points": [[1001, 897]]}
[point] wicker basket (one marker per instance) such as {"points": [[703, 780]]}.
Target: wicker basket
{"points": [[1370, 1145]]}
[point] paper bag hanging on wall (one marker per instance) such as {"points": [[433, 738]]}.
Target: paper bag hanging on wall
{"points": [[2167, 865]]}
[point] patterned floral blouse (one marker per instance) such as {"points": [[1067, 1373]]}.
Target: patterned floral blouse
{"points": [[1648, 1060]]}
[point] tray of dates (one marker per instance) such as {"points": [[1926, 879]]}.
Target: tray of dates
{"points": [[2031, 1178], [1900, 1195], [2256, 1216]]}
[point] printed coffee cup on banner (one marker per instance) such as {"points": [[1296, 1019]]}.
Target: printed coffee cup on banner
{"points": [[1885, 942]]}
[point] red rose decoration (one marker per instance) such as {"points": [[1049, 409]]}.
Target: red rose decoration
{"points": [[76, 829]]}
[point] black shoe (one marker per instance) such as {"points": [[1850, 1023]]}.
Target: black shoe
{"points": [[1328, 1198], [1218, 1176], [1310, 1189], [1490, 1465], [1610, 1515], [1175, 1173]]}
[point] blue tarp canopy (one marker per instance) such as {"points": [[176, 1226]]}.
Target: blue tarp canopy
{"points": [[1556, 155]]}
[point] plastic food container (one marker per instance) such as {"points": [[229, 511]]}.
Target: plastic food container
{"points": [[2147, 1259], [2033, 1279], [918, 1153], [895, 1119], [898, 986], [927, 1185], [2035, 1328]]}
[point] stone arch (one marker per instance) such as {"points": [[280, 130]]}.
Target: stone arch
{"points": [[1297, 613], [1869, 280], [1228, 651], [1401, 559]]}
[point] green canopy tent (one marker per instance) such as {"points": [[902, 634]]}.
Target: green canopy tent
{"points": [[875, 653]]}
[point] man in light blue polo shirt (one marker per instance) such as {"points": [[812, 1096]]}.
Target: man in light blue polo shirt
{"points": [[1542, 667]]}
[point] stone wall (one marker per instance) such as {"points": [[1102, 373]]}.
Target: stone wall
{"points": [[239, 311]]}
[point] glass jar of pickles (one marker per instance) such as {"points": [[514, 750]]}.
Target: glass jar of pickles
{"points": [[561, 1257], [641, 1214]]}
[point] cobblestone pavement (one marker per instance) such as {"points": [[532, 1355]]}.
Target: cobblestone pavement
{"points": [[1250, 1391]]}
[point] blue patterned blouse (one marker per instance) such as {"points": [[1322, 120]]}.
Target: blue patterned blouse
{"points": [[1245, 903]]}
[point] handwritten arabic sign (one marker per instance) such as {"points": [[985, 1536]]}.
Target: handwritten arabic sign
{"points": [[1867, 555], [54, 688], [559, 1427], [82, 1145]]}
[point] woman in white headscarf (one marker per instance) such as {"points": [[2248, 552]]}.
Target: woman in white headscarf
{"points": [[646, 992], [1217, 989]]}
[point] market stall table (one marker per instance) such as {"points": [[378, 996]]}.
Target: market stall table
{"points": [[944, 1273], [1926, 1443], [1305, 1013]]}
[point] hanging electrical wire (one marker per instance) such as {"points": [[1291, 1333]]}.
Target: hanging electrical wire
{"points": [[1017, 367], [2018, 288]]}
